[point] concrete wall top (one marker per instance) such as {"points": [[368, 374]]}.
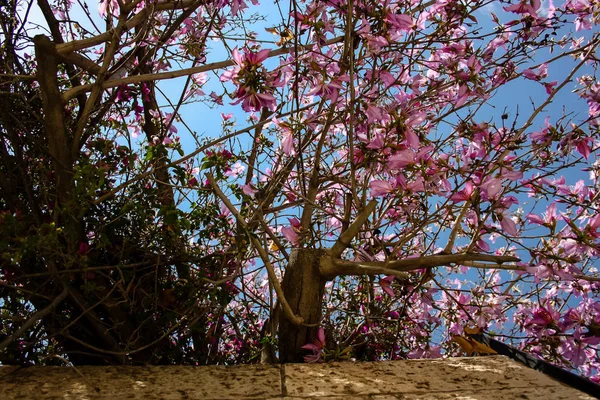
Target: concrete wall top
{"points": [[473, 378]]}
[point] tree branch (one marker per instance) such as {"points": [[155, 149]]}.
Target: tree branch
{"points": [[456, 227], [346, 237], [332, 267], [139, 18], [296, 320], [35, 317], [153, 77]]}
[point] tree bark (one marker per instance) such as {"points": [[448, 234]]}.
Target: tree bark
{"points": [[303, 287]]}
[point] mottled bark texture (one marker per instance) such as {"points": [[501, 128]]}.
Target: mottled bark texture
{"points": [[303, 286]]}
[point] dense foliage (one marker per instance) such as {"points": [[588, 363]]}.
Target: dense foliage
{"points": [[178, 179]]}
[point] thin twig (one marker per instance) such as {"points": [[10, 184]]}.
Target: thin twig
{"points": [[35, 318], [296, 320]]}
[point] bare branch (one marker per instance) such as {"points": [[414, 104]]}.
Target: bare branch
{"points": [[336, 267], [457, 221], [296, 320], [346, 237], [140, 17], [35, 318], [153, 77]]}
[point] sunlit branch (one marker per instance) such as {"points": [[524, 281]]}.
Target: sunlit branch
{"points": [[346, 237], [337, 267], [154, 77], [139, 18], [456, 227]]}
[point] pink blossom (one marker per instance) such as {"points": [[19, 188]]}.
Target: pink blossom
{"points": [[401, 159], [290, 234], [252, 101], [541, 73], [255, 85], [198, 81], [294, 222], [543, 317], [509, 226], [216, 98], [377, 143], [248, 190], [527, 7], [492, 188], [287, 144], [583, 147], [235, 170], [317, 347], [385, 285], [548, 219], [550, 86], [464, 194], [380, 188], [412, 139], [462, 95], [582, 24], [106, 6], [400, 22]]}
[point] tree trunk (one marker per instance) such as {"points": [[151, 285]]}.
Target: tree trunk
{"points": [[303, 287]]}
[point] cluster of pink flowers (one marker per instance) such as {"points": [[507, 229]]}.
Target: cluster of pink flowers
{"points": [[254, 84]]}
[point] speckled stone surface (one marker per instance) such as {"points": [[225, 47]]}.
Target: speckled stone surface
{"points": [[474, 378], [168, 382], [413, 376]]}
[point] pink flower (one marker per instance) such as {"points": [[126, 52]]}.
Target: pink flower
{"points": [[377, 143], [146, 91], [550, 86], [248, 190], [198, 81], [509, 226], [84, 248], [294, 222], [401, 22], [401, 159], [549, 218], [255, 85], [526, 7], [543, 134], [492, 188], [462, 95], [287, 144], [291, 232], [216, 98], [583, 147], [380, 188], [412, 139], [317, 347], [542, 318], [464, 194], [385, 285], [541, 73], [192, 182], [256, 101], [574, 350], [106, 6]]}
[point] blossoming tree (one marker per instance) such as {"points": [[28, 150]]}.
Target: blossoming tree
{"points": [[388, 179]]}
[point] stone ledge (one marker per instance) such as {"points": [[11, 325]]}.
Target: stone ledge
{"points": [[495, 377]]}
